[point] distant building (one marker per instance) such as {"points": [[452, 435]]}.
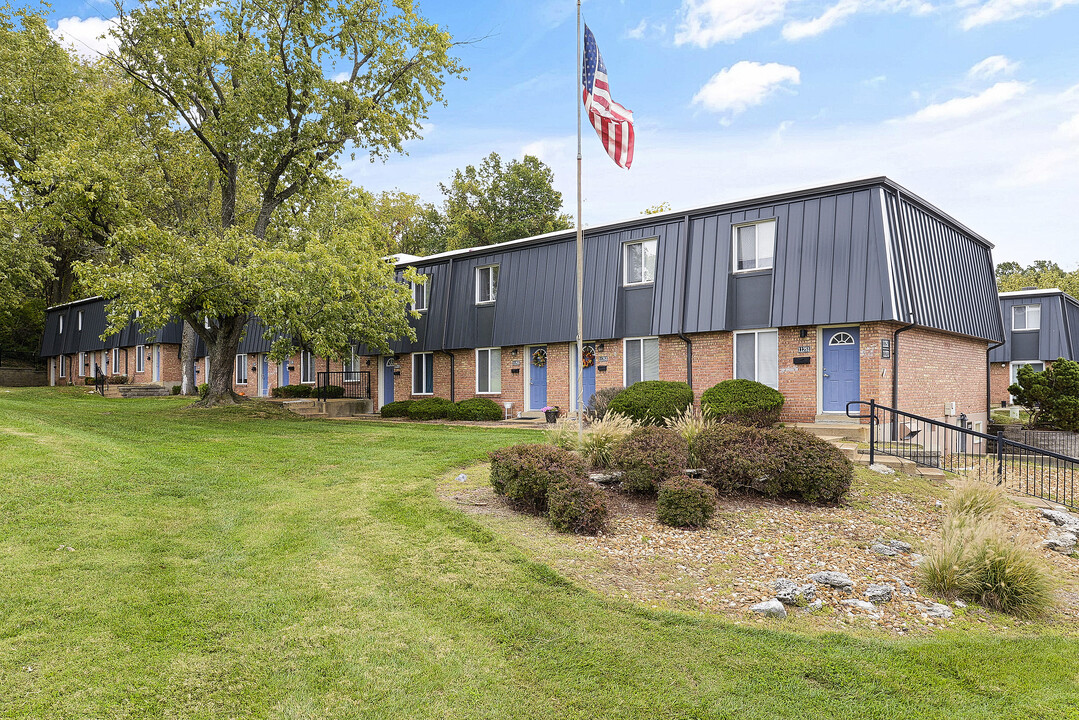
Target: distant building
{"points": [[1040, 326]]}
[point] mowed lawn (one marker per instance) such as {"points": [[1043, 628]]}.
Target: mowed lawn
{"points": [[229, 567]]}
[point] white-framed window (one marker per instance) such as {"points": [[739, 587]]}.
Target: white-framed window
{"points": [[639, 262], [756, 356], [241, 369], [138, 314], [421, 294], [78, 320], [1026, 317], [63, 366], [140, 358], [61, 328], [489, 370], [352, 367], [423, 373], [642, 360], [486, 284], [307, 368], [1035, 365], [115, 360], [82, 364], [754, 246]]}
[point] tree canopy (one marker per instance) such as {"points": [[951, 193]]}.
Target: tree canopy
{"points": [[1040, 274]]}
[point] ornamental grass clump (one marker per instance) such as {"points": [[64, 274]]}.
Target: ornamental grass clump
{"points": [[603, 436], [562, 434], [685, 502], [576, 506], [690, 423], [523, 473], [648, 456]]}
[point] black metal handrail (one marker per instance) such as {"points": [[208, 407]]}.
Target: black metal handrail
{"points": [[101, 381], [354, 384], [958, 448]]}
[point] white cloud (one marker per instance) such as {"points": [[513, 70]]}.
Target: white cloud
{"points": [[645, 28], [87, 37], [964, 107], [875, 81], [993, 11], [1070, 128], [801, 29], [636, 33], [992, 66], [707, 22], [743, 85]]}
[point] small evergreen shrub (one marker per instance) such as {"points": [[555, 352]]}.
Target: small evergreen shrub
{"points": [[814, 470], [476, 409], [743, 401], [291, 391], [117, 380], [652, 402], [204, 390], [685, 502], [1051, 396], [330, 392], [434, 408], [599, 402], [736, 456], [396, 409], [176, 389], [648, 456], [523, 473], [576, 506]]}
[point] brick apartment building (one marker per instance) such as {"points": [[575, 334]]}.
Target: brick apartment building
{"points": [[1040, 326]]}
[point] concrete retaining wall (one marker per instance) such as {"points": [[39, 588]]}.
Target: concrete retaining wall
{"points": [[22, 377]]}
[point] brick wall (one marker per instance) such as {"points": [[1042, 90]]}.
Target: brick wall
{"points": [[936, 368], [1000, 378]]}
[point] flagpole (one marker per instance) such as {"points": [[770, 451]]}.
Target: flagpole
{"points": [[580, 253]]}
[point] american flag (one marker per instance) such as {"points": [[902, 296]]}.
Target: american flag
{"points": [[613, 123]]}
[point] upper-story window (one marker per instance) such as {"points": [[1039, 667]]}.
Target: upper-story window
{"points": [[486, 284], [78, 320], [1026, 317], [754, 246], [639, 262], [421, 293]]}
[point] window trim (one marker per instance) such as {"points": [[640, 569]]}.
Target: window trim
{"points": [[1027, 329], [492, 287], [240, 366], [756, 354], [303, 367], [82, 364], [115, 360], [63, 366], [140, 361], [1014, 365], [426, 295], [490, 369], [413, 388], [756, 246], [625, 357], [625, 262]]}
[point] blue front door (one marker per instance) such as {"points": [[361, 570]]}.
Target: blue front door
{"points": [[387, 380], [264, 376], [840, 371], [588, 373], [537, 377]]}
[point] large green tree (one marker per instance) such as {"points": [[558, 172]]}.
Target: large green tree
{"points": [[1040, 274], [272, 93], [496, 203]]}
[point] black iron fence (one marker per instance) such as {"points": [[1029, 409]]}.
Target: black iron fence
{"points": [[352, 384], [1019, 467]]}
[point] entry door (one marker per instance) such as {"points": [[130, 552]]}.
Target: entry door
{"points": [[537, 377], [157, 363], [387, 380], [264, 376], [840, 372], [588, 376]]}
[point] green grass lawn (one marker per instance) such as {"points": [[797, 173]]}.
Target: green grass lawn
{"points": [[230, 567]]}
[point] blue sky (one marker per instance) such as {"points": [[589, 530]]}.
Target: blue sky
{"points": [[972, 104]]}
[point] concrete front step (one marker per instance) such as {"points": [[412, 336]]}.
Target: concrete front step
{"points": [[832, 431], [860, 456]]}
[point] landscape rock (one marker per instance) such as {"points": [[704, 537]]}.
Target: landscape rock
{"points": [[903, 547], [1060, 517], [903, 588], [936, 610], [814, 606], [960, 604], [860, 604], [789, 592], [462, 477], [916, 559], [832, 578], [1061, 541], [881, 549], [882, 469], [770, 608], [878, 593], [606, 478]]}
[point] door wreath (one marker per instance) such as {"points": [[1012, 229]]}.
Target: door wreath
{"points": [[588, 357], [539, 358]]}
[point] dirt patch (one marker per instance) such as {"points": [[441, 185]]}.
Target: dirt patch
{"points": [[731, 564]]}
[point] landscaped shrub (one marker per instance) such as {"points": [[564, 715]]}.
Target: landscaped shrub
{"points": [[1004, 575], [522, 473], [974, 500], [777, 462], [685, 502], [576, 506], [648, 456], [330, 392], [1051, 396], [176, 389], [562, 434], [689, 424], [396, 409], [652, 402], [434, 408], [291, 391], [603, 436], [600, 400], [118, 380], [204, 390], [743, 401], [476, 409]]}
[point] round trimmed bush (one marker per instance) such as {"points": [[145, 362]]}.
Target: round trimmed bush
{"points": [[291, 391], [743, 401], [429, 409], [814, 470], [523, 473], [476, 409], [652, 402], [396, 409], [576, 506], [737, 456], [685, 502], [648, 456]]}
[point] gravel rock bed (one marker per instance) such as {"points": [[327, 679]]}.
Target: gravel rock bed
{"points": [[733, 563]]}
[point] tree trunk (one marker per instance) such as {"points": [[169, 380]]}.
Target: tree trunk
{"points": [[222, 342], [188, 386]]}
